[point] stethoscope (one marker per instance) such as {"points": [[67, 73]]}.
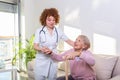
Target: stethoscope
{"points": [[44, 40]]}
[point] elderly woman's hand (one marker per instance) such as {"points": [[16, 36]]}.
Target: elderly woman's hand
{"points": [[71, 56]]}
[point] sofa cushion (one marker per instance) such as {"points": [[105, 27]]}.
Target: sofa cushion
{"points": [[61, 66], [115, 78], [60, 73], [117, 68], [104, 66]]}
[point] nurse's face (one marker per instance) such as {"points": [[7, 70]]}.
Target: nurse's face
{"points": [[78, 44], [50, 21]]}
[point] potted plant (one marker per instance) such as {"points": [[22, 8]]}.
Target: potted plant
{"points": [[24, 54]]}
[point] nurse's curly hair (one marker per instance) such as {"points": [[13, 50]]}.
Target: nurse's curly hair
{"points": [[49, 12]]}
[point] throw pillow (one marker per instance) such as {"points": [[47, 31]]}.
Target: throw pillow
{"points": [[104, 66], [117, 67]]}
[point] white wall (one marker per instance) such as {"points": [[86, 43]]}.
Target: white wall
{"points": [[90, 16]]}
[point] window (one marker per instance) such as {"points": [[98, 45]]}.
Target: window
{"points": [[72, 33], [8, 29], [104, 44]]}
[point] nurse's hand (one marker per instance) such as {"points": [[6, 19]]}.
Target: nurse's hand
{"points": [[43, 49], [46, 50]]}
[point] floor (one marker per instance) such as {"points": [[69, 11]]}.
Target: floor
{"points": [[7, 76]]}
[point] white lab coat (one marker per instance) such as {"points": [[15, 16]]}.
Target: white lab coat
{"points": [[44, 65]]}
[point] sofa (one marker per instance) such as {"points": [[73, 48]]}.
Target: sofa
{"points": [[106, 67]]}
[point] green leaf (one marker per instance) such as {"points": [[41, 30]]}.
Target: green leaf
{"points": [[26, 54]]}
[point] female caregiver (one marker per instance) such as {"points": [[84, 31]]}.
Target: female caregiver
{"points": [[47, 36]]}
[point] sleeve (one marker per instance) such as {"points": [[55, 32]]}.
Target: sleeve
{"points": [[36, 40], [88, 57], [59, 57], [62, 35]]}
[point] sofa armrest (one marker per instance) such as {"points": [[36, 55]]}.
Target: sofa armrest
{"points": [[115, 77]]}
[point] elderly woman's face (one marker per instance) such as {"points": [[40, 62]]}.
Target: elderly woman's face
{"points": [[78, 44], [50, 21]]}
